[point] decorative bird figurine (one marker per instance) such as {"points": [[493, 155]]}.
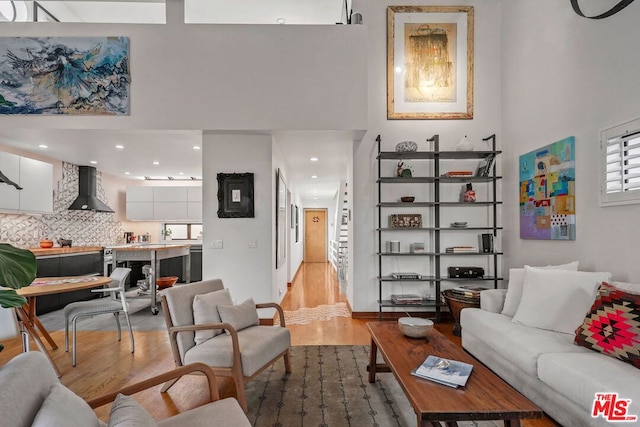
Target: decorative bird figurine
{"points": [[3, 178]]}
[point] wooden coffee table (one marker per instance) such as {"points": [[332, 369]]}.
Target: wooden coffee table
{"points": [[485, 397]]}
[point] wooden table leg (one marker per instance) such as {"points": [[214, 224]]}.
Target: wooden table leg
{"points": [[512, 423], [28, 325], [373, 357], [35, 322]]}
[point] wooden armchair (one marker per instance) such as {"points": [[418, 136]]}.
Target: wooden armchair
{"points": [[238, 354]]}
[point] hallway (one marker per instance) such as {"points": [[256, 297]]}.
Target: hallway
{"points": [[316, 287]]}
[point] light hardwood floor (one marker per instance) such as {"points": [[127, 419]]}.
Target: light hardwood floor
{"points": [[105, 364]]}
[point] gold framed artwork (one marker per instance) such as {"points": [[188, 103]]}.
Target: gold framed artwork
{"points": [[429, 62]]}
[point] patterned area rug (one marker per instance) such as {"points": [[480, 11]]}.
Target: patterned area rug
{"points": [[329, 388], [305, 315]]}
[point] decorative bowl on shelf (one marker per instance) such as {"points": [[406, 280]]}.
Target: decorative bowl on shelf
{"points": [[415, 327], [406, 146], [407, 199], [166, 282], [46, 244]]}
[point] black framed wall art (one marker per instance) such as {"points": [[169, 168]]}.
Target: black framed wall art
{"points": [[235, 195]]}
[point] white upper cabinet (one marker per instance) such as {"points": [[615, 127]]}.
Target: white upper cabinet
{"points": [[169, 194], [35, 178], [164, 203], [139, 194], [9, 195]]}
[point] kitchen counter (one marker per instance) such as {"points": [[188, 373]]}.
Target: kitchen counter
{"points": [[63, 251], [149, 247]]}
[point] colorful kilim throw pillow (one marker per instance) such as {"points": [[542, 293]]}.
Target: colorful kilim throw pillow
{"points": [[612, 326]]}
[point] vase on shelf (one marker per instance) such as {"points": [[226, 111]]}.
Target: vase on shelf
{"points": [[469, 195], [465, 144]]}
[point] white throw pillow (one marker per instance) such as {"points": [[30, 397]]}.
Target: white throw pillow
{"points": [[205, 310], [126, 412], [516, 282], [239, 316], [557, 300]]}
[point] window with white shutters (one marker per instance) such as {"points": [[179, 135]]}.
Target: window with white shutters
{"points": [[620, 157]]}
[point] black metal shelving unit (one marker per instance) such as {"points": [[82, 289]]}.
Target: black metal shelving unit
{"points": [[435, 229]]}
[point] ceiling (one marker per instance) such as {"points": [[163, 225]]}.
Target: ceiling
{"points": [[173, 150], [176, 157]]}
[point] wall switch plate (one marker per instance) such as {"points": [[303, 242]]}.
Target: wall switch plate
{"points": [[217, 244], [253, 244]]}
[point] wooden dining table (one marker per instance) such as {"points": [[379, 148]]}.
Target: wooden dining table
{"points": [[48, 286]]}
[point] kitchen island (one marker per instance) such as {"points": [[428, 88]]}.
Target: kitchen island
{"points": [[154, 253]]}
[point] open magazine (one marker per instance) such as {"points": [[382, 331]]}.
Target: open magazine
{"points": [[451, 373]]}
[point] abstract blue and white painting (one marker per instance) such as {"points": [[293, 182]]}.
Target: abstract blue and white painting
{"points": [[64, 75]]}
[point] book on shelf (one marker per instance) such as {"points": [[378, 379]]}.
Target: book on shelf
{"points": [[468, 291], [406, 299], [448, 372], [457, 249], [407, 276], [458, 173]]}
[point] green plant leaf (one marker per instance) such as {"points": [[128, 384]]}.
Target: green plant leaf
{"points": [[17, 267], [9, 298]]}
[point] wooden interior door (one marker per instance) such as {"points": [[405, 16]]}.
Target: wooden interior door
{"points": [[315, 235]]}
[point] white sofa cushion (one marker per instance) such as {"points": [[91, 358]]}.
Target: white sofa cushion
{"points": [[519, 344], [62, 407], [557, 300], [579, 376], [516, 283], [205, 311]]}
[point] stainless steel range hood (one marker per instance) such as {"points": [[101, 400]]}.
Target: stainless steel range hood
{"points": [[87, 200]]}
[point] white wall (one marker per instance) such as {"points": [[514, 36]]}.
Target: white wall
{"points": [[487, 120], [247, 77], [247, 272], [565, 75]]}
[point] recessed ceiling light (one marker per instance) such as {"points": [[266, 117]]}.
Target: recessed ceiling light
{"points": [[196, 147], [281, 21], [93, 162], [127, 173], [156, 163], [315, 191], [315, 198], [314, 176], [181, 173], [119, 146], [43, 146], [314, 159]]}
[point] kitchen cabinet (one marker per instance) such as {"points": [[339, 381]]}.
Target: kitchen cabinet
{"points": [[179, 203], [139, 211], [169, 194], [35, 178], [9, 195], [168, 211], [76, 264]]}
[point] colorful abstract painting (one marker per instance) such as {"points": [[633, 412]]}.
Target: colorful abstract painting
{"points": [[547, 192], [64, 75]]}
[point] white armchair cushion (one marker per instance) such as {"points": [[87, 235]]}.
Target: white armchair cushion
{"points": [[557, 300], [205, 310], [126, 412], [239, 316], [516, 282], [62, 407]]}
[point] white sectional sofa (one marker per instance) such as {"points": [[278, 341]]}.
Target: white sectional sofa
{"points": [[546, 366]]}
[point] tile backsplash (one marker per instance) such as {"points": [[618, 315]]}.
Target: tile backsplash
{"points": [[84, 228]]}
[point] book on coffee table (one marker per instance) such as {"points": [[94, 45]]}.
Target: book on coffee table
{"points": [[451, 373]]}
